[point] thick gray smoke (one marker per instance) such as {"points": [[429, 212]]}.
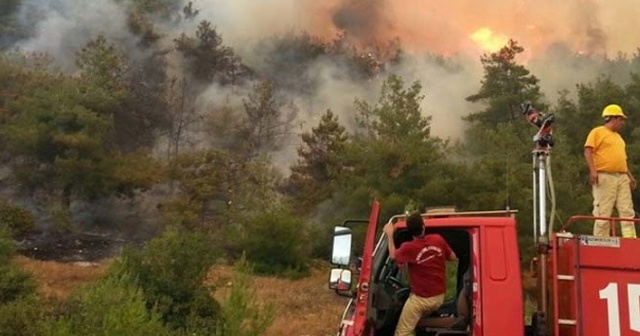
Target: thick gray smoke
{"points": [[551, 32], [63, 26], [364, 20]]}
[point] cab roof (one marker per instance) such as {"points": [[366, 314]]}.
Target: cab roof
{"points": [[501, 218]]}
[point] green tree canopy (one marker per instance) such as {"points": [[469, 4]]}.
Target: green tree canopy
{"points": [[392, 154], [59, 143], [506, 84], [208, 59], [319, 163]]}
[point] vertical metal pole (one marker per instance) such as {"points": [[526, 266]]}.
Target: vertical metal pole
{"points": [[542, 194], [543, 239], [535, 196], [543, 143]]}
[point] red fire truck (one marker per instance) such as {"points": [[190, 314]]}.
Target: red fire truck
{"points": [[586, 285], [591, 284]]}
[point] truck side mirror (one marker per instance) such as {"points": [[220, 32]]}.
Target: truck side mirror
{"points": [[340, 280], [341, 255]]}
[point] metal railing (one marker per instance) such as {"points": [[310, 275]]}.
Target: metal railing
{"points": [[612, 220]]}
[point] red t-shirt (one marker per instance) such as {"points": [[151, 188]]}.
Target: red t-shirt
{"points": [[426, 258]]}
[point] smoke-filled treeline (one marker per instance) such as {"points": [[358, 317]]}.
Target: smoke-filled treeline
{"points": [[146, 117]]}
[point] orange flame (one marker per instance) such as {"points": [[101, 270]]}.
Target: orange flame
{"points": [[450, 27], [487, 40]]}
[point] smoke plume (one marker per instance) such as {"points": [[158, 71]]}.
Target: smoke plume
{"points": [[550, 31]]}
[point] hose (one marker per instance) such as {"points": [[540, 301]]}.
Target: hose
{"points": [[552, 194]]}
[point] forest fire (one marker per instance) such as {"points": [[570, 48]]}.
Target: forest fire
{"points": [[445, 27], [488, 40]]}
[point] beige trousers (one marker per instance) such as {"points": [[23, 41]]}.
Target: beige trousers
{"points": [[413, 310], [613, 190]]}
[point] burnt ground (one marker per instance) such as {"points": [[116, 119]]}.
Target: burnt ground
{"points": [[71, 247]]}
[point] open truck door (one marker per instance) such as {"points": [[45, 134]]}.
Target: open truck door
{"points": [[356, 319]]}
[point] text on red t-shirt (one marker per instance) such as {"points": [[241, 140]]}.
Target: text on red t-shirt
{"points": [[426, 258]]}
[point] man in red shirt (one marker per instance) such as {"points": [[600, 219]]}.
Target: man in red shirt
{"points": [[426, 257]]}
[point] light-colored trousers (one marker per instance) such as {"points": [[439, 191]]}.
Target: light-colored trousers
{"points": [[413, 310], [613, 190]]}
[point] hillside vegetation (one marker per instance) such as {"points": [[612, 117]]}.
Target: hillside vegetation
{"points": [[294, 314]]}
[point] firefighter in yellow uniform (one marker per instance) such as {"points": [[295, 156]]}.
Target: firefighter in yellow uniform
{"points": [[611, 180]]}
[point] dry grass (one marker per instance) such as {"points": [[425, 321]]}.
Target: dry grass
{"points": [[305, 307], [56, 280]]}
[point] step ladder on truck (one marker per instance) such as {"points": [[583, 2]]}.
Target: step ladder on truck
{"points": [[586, 285], [595, 283]]}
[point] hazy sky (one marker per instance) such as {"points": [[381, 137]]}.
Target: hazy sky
{"points": [[441, 26]]}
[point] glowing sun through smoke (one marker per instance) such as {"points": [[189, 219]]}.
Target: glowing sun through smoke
{"points": [[487, 40]]}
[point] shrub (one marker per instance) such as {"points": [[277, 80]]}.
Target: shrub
{"points": [[61, 218], [277, 242], [243, 315], [7, 245], [14, 282], [17, 219], [171, 270], [181, 212], [22, 317], [112, 306]]}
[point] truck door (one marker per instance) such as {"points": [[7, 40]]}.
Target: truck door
{"points": [[362, 300]]}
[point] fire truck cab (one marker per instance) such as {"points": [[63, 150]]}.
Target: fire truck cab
{"points": [[591, 284]]}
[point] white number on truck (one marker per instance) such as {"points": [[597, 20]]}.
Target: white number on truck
{"points": [[610, 293], [634, 306]]}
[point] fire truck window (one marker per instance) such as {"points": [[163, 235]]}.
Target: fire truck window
{"points": [[452, 280], [460, 243], [451, 277], [401, 236]]}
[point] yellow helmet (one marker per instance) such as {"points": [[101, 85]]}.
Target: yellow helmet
{"points": [[613, 110]]}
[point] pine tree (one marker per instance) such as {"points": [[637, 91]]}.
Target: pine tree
{"points": [[506, 84], [319, 163]]}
